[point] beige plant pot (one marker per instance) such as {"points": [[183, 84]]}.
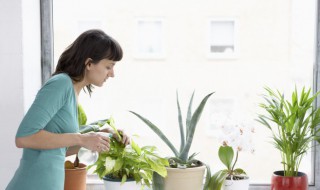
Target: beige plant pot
{"points": [[186, 179]]}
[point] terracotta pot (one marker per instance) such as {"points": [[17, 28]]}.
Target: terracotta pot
{"points": [[186, 179], [280, 182], [242, 184], [75, 179], [115, 184]]}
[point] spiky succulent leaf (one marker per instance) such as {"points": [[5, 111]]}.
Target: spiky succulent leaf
{"points": [[182, 137], [158, 132], [188, 119], [194, 120]]}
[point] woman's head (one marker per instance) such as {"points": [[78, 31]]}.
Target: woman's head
{"points": [[90, 47]]}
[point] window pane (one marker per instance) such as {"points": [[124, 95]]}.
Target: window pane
{"points": [[274, 41], [222, 36], [149, 38]]}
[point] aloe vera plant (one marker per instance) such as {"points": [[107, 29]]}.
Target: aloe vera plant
{"points": [[181, 156]]}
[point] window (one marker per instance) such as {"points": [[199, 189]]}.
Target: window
{"points": [[149, 39], [277, 50], [222, 39]]}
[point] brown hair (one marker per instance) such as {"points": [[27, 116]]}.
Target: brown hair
{"points": [[94, 44]]}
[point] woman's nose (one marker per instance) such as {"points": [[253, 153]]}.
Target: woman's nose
{"points": [[111, 73]]}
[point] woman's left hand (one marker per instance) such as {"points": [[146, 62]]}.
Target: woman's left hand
{"points": [[125, 138]]}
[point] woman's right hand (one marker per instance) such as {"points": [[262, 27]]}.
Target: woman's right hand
{"points": [[95, 142]]}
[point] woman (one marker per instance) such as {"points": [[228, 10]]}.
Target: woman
{"points": [[49, 130]]}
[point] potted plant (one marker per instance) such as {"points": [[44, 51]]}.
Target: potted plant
{"points": [[128, 167], [293, 126], [185, 172], [76, 172], [234, 139]]}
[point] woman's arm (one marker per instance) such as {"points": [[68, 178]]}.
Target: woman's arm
{"points": [[47, 140]]}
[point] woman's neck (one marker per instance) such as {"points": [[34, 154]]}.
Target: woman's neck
{"points": [[78, 86]]}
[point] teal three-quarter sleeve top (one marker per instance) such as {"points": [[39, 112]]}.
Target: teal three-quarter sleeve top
{"points": [[55, 110]]}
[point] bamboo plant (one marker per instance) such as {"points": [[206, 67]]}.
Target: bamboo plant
{"points": [[293, 125]]}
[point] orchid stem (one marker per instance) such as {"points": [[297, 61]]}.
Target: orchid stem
{"points": [[235, 162]]}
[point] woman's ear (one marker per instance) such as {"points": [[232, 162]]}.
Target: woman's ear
{"points": [[87, 63]]}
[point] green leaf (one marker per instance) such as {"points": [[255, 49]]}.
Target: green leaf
{"points": [[208, 176], [112, 125], [82, 117], [158, 132], [189, 114], [100, 123], [135, 147], [118, 164], [182, 137], [124, 179], [226, 154], [88, 128], [217, 180], [194, 120], [158, 182], [157, 168]]}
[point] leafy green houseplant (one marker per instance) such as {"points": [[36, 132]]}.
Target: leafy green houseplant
{"points": [[84, 128], [129, 162], [293, 125], [76, 172], [181, 158]]}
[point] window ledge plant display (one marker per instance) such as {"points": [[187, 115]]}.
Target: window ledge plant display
{"points": [[235, 138], [122, 164], [182, 164], [294, 126]]}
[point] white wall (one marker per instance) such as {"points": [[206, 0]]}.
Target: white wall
{"points": [[19, 74]]}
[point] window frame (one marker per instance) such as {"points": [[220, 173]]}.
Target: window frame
{"points": [[46, 11], [235, 53], [137, 54]]}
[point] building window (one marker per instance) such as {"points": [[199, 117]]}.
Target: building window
{"points": [[222, 39], [149, 39]]}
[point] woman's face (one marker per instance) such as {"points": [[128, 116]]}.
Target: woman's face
{"points": [[97, 74]]}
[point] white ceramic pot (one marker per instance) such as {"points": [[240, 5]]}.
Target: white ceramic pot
{"points": [[116, 185], [242, 184]]}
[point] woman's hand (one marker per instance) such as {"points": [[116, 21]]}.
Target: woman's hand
{"points": [[125, 138], [95, 141]]}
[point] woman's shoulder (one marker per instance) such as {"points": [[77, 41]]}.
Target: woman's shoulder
{"points": [[59, 81], [62, 78]]}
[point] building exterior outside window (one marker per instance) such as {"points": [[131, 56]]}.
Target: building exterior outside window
{"points": [[263, 43]]}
